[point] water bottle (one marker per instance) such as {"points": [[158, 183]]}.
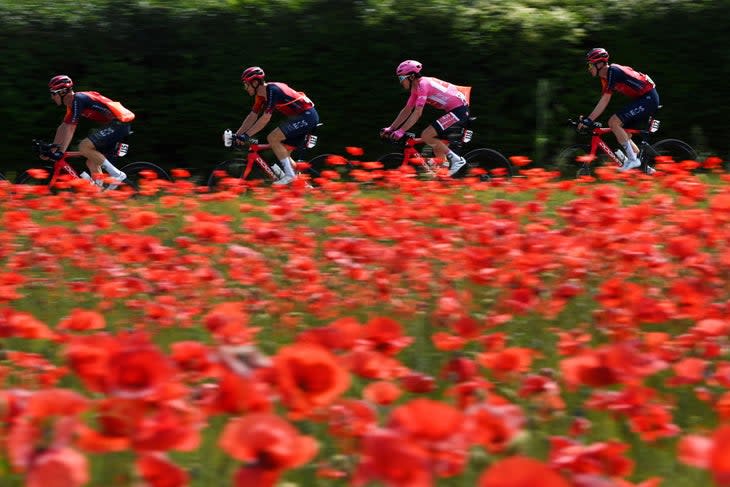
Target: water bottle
{"points": [[228, 137], [277, 170], [621, 156]]}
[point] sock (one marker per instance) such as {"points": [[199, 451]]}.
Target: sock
{"points": [[288, 166], [110, 169], [452, 156], [630, 154]]}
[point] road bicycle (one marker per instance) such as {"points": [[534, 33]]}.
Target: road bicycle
{"points": [[588, 156], [254, 170], [484, 163], [58, 175]]}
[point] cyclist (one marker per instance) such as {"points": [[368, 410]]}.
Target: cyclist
{"points": [[637, 86], [114, 117], [437, 93], [301, 115]]}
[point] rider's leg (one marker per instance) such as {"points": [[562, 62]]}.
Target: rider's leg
{"points": [[441, 150], [94, 158], [276, 139], [617, 127]]}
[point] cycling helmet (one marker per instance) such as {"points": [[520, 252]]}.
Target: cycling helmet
{"points": [[597, 55], [252, 73], [60, 82], [408, 67]]}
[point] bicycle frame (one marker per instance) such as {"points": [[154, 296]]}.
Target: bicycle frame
{"points": [[597, 142], [62, 165], [411, 153], [253, 157]]}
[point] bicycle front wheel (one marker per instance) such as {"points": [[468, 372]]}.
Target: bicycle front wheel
{"points": [[391, 161], [40, 176], [487, 164], [138, 172], [228, 175], [568, 163]]}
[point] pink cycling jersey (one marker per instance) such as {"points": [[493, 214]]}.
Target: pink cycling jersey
{"points": [[437, 93]]}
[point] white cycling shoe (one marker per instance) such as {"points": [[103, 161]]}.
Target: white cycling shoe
{"points": [[457, 165], [122, 176], [629, 165], [284, 180]]}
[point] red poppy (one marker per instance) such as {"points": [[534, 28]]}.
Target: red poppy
{"points": [[138, 369], [267, 444], [719, 461], [16, 324], [58, 467], [228, 322], [351, 418], [389, 457], [521, 471], [494, 426], [158, 471], [309, 376], [382, 392], [355, 151], [83, 320]]}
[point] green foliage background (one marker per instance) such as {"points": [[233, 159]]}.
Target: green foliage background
{"points": [[177, 65]]}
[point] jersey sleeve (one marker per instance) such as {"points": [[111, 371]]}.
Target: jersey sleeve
{"points": [[74, 111], [419, 95], [258, 105], [273, 96]]}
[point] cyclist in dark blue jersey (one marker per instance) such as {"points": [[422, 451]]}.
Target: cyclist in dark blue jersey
{"points": [[301, 115], [114, 117], [637, 86]]}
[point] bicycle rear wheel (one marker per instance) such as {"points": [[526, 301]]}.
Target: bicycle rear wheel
{"points": [[316, 166], [676, 149], [488, 164]]}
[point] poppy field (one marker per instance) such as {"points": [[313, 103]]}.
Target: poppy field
{"points": [[384, 332]]}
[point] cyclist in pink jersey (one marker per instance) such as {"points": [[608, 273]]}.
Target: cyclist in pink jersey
{"points": [[301, 115], [115, 120], [437, 93], [637, 86]]}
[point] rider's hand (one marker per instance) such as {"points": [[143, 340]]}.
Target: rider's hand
{"points": [[584, 122], [385, 132], [396, 135], [242, 139], [52, 156]]}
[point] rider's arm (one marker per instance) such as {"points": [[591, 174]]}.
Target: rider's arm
{"points": [[402, 116], [259, 124], [64, 135], [247, 123], [600, 106], [412, 118]]}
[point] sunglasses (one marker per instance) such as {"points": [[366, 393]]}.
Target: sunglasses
{"points": [[59, 92], [401, 78]]}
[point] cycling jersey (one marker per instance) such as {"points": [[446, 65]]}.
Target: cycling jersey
{"points": [[282, 98], [437, 93], [625, 80], [96, 107]]}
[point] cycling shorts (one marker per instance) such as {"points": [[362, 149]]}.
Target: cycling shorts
{"points": [[639, 110], [105, 138], [456, 116], [295, 129]]}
